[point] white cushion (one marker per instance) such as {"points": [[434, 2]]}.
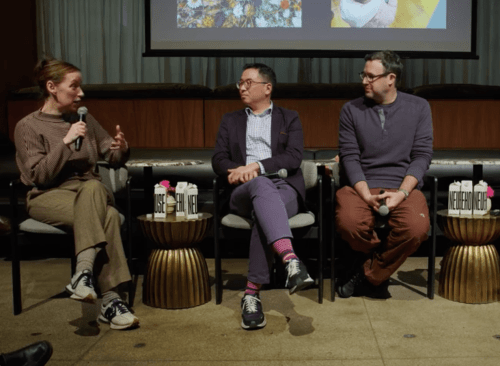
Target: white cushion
{"points": [[238, 222]]}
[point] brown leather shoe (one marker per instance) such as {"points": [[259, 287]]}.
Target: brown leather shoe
{"points": [[36, 354]]}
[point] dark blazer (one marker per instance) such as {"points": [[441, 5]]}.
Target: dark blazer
{"points": [[287, 145]]}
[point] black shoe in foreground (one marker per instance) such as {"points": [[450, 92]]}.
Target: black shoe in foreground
{"points": [[297, 278], [353, 286], [36, 354], [379, 292], [251, 313]]}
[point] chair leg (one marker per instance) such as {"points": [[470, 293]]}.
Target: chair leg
{"points": [[217, 254], [131, 293], [432, 255], [332, 239], [16, 276], [320, 277], [73, 265], [321, 244], [218, 269], [431, 277]]}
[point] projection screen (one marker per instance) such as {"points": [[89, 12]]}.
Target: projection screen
{"points": [[311, 28]]}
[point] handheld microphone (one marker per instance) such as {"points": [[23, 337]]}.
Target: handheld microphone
{"points": [[282, 173], [82, 114], [383, 210]]}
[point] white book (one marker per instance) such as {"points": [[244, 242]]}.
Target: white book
{"points": [[180, 197], [454, 198], [466, 198], [480, 199], [160, 202], [192, 202]]}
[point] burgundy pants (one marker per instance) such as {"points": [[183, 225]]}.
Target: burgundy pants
{"points": [[408, 223]]}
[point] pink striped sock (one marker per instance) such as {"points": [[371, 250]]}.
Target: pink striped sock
{"points": [[252, 288], [283, 247]]}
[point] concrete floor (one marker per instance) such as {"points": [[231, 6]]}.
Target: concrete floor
{"points": [[348, 332]]}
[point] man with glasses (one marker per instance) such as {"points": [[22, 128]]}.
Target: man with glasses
{"points": [[258, 140], [385, 141]]}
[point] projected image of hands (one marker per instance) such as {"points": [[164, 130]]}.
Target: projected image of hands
{"points": [[239, 13], [423, 14]]}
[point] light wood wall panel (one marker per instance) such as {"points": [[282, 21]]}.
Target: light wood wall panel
{"points": [[466, 124]]}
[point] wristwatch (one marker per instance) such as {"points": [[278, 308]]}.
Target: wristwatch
{"points": [[405, 192]]}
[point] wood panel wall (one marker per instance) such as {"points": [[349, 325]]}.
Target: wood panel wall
{"points": [[214, 110], [151, 123], [466, 124], [154, 123], [193, 123], [17, 109], [319, 119], [19, 51]]}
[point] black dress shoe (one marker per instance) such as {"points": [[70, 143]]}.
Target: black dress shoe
{"points": [[36, 354], [353, 286], [378, 292], [358, 285]]}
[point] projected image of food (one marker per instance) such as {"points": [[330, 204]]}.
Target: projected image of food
{"points": [[239, 13], [422, 14]]}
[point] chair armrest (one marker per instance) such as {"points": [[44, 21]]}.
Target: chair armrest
{"points": [[114, 177], [333, 171]]}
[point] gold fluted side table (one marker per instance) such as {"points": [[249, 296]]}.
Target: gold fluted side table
{"points": [[177, 273], [470, 270]]}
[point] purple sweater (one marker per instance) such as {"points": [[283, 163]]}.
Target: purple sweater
{"points": [[384, 156]]}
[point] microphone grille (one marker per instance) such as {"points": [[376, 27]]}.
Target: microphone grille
{"points": [[383, 210], [82, 110], [282, 173]]}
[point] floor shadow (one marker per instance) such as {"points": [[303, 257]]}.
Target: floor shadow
{"points": [[394, 282], [61, 295], [415, 277], [277, 300], [299, 325], [87, 325]]}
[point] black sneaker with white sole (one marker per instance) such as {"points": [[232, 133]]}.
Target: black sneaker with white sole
{"points": [[251, 313], [81, 287], [297, 278], [118, 315]]}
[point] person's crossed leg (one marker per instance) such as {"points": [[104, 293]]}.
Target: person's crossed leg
{"points": [[270, 203]]}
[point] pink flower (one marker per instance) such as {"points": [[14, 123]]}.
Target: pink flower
{"points": [[165, 183], [490, 192]]}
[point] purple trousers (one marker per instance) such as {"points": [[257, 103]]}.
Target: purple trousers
{"points": [[269, 202]]}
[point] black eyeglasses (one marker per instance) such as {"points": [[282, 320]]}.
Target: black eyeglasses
{"points": [[248, 83], [371, 78]]}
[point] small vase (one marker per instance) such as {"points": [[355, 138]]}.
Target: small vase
{"points": [[488, 205], [170, 204]]}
